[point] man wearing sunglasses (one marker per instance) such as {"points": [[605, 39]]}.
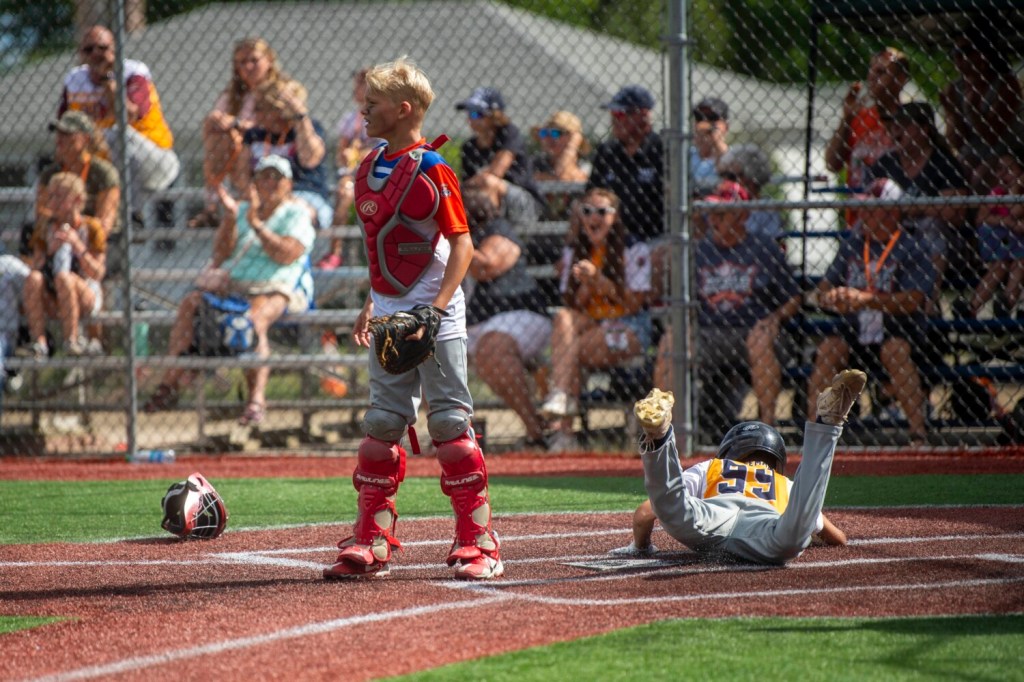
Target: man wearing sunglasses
{"points": [[631, 163], [92, 88]]}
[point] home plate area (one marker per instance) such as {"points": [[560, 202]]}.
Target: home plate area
{"points": [[235, 605]]}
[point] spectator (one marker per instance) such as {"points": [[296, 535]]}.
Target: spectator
{"points": [[1001, 236], [267, 241], [983, 107], [561, 158], [746, 294], [81, 151], [353, 144], [91, 88], [13, 273], [879, 283], [283, 127], [747, 165], [710, 126], [254, 63], [862, 136], [923, 166], [68, 262], [497, 148], [630, 164], [507, 320], [605, 282], [563, 149]]}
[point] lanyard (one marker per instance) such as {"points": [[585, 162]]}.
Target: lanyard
{"points": [[881, 259], [85, 167]]}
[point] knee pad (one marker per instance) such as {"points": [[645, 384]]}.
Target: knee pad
{"points": [[380, 464], [383, 425], [446, 425]]}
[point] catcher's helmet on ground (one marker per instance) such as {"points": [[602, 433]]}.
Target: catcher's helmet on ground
{"points": [[747, 438], [193, 509]]}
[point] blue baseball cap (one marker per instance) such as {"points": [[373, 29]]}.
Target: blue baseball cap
{"points": [[483, 100], [631, 98]]}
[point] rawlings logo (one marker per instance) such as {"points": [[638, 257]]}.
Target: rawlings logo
{"points": [[381, 482], [368, 207], [465, 480]]}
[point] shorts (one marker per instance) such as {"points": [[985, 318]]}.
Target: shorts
{"points": [[638, 323], [97, 289], [997, 243], [298, 300], [531, 331]]}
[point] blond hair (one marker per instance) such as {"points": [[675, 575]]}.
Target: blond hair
{"points": [[67, 182], [237, 89], [401, 80], [271, 93]]}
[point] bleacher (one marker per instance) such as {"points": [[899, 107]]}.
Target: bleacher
{"points": [[156, 288]]}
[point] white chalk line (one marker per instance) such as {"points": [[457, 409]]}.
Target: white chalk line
{"points": [[491, 593], [137, 663]]}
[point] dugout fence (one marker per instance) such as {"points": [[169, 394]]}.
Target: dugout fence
{"points": [[804, 105]]}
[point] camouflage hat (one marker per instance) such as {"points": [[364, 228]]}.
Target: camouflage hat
{"points": [[74, 122]]}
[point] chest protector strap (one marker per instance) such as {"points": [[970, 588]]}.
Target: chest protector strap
{"points": [[398, 254]]}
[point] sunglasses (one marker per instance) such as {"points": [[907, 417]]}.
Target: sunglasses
{"points": [[624, 113], [89, 49], [553, 133], [476, 115], [588, 210], [701, 117]]}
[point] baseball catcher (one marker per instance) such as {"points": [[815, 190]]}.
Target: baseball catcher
{"points": [[194, 509], [418, 248], [740, 504], [396, 343]]}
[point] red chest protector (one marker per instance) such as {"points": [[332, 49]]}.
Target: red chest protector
{"points": [[398, 254]]}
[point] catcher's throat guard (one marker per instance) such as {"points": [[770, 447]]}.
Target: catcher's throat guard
{"points": [[194, 509], [388, 210]]}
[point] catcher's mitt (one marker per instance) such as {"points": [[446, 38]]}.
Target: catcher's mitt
{"points": [[398, 354]]}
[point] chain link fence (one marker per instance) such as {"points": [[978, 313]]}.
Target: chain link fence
{"points": [[853, 193]]}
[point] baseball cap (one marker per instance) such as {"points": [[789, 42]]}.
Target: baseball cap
{"points": [[275, 162], [711, 109], [882, 188], [73, 122], [482, 100], [630, 98], [728, 192]]}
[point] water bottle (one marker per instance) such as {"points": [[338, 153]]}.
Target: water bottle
{"points": [[140, 335], [152, 457]]}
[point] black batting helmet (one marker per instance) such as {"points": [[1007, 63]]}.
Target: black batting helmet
{"points": [[745, 439]]}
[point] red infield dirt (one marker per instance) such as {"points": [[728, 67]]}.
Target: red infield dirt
{"points": [[252, 605]]}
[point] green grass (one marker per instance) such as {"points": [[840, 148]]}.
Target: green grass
{"points": [[15, 623], [761, 649], [78, 511]]}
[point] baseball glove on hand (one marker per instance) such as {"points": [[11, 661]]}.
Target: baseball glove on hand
{"points": [[398, 354]]}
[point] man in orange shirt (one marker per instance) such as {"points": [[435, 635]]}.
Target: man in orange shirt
{"points": [[92, 88]]}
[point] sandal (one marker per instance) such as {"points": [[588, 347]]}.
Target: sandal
{"points": [[163, 398], [254, 413]]}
